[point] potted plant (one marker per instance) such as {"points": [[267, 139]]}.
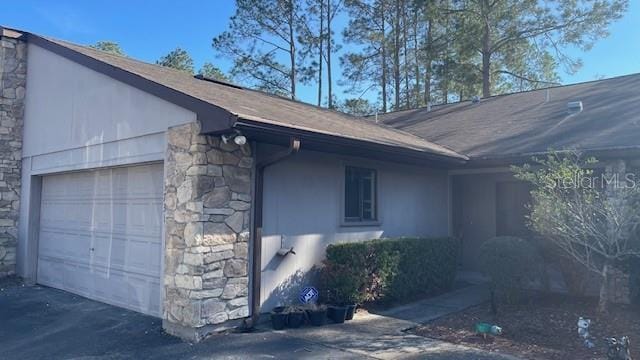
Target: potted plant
{"points": [[317, 314], [279, 317], [337, 313], [343, 291], [351, 310], [297, 317]]}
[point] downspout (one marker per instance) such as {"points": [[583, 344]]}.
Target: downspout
{"points": [[294, 147]]}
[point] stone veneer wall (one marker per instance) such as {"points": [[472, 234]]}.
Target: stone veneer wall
{"points": [[207, 220], [13, 79]]}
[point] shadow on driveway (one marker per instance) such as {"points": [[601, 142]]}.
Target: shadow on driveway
{"points": [[38, 322]]}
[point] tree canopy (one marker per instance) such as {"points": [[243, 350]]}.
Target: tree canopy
{"points": [[109, 47], [178, 59], [409, 53], [211, 71]]}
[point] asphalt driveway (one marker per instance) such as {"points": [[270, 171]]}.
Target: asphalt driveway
{"points": [[38, 322]]}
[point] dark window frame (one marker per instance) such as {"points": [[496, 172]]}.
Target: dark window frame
{"points": [[360, 219]]}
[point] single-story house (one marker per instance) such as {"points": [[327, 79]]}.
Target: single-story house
{"points": [[179, 196]]}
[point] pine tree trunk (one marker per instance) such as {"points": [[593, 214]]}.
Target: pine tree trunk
{"points": [[292, 50], [427, 74], [603, 301], [445, 81], [416, 61], [329, 38], [405, 39], [383, 53], [396, 55], [321, 49], [486, 60]]}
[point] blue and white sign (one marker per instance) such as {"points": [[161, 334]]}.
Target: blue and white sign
{"points": [[308, 295]]}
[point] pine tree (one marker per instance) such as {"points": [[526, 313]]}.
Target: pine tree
{"points": [[367, 29], [178, 59], [109, 47], [497, 28], [262, 42], [211, 71]]}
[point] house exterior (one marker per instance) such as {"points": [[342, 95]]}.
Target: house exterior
{"points": [[506, 130], [180, 197]]}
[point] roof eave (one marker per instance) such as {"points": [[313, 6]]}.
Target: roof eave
{"points": [[279, 135], [622, 152]]}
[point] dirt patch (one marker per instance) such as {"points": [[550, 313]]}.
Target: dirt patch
{"points": [[543, 327]]}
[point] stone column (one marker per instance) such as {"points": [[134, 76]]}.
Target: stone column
{"points": [[13, 80], [207, 221]]}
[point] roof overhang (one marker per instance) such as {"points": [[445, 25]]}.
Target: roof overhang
{"points": [[280, 135], [602, 154], [218, 120]]}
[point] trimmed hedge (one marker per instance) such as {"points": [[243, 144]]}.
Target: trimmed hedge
{"points": [[389, 269]]}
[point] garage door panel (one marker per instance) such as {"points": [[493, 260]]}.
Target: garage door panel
{"points": [[101, 235], [64, 244]]}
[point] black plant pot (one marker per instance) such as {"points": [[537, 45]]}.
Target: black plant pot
{"points": [[337, 314], [278, 319], [351, 310], [296, 319], [317, 317]]}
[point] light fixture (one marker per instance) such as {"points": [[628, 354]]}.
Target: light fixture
{"points": [[237, 138], [240, 140]]}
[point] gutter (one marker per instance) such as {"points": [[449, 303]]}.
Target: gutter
{"points": [[331, 143], [256, 276]]}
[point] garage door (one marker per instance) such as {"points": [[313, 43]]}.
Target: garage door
{"points": [[101, 235]]}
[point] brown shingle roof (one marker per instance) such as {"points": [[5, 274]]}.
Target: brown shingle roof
{"points": [[526, 123], [264, 108]]}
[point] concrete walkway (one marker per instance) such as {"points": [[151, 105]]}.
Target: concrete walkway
{"points": [[384, 335], [430, 309]]}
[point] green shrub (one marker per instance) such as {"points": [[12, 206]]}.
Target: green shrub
{"points": [[512, 264], [389, 269]]}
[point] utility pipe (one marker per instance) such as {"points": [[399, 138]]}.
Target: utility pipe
{"points": [[294, 147]]}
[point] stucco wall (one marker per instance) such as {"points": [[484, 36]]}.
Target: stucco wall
{"points": [[71, 106], [302, 208], [76, 118]]}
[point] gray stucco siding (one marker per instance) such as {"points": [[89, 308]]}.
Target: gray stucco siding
{"points": [[75, 119], [303, 206]]}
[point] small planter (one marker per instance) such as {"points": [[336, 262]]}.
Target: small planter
{"points": [[317, 316], [337, 314], [351, 310], [296, 318], [279, 318]]}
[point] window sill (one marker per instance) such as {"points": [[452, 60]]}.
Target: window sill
{"points": [[360, 223]]}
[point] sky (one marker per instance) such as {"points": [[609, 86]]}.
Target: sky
{"points": [[147, 30]]}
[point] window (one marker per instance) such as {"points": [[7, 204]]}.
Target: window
{"points": [[359, 195]]}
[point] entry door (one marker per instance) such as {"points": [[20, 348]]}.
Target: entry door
{"points": [[101, 235], [511, 212]]}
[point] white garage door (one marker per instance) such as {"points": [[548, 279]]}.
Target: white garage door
{"points": [[101, 235]]}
